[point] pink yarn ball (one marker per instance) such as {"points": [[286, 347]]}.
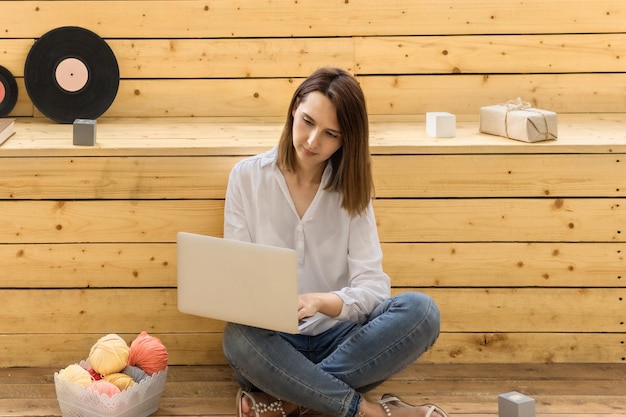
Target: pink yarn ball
{"points": [[104, 387], [148, 353]]}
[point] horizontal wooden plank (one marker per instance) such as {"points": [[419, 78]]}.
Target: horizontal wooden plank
{"points": [[242, 136], [530, 310], [60, 350], [519, 54], [115, 177], [396, 176], [430, 220], [63, 349], [505, 264], [386, 95], [113, 265], [463, 310], [298, 57], [108, 221], [465, 94], [98, 311], [559, 390], [202, 97], [284, 18], [14, 52], [501, 220], [209, 58], [472, 265], [499, 176], [485, 348], [221, 375], [230, 58], [395, 95]]}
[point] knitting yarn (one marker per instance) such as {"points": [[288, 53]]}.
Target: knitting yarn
{"points": [[109, 354], [96, 376], [120, 380], [135, 373], [148, 353], [104, 387], [76, 374]]}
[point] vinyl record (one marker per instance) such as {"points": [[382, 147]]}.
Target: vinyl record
{"points": [[71, 73], [8, 91]]}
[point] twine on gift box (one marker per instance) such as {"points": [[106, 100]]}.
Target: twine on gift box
{"points": [[519, 104]]}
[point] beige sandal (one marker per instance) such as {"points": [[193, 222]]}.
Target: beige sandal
{"points": [[392, 399], [258, 407]]}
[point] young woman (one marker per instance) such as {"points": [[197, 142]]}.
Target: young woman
{"points": [[312, 193]]}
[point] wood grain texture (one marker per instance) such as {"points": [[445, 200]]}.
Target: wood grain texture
{"points": [[284, 18], [205, 348], [417, 265], [397, 176], [522, 246], [243, 136], [477, 310], [469, 389]]}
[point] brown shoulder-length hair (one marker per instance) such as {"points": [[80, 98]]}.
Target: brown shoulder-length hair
{"points": [[351, 165]]}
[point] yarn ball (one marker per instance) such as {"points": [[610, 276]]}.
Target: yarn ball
{"points": [[135, 373], [121, 381], [109, 354], [104, 387], [76, 374], [148, 353], [96, 376]]}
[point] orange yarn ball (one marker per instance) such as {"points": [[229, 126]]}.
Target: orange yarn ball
{"points": [[148, 353]]}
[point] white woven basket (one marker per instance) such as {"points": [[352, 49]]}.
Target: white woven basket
{"points": [[140, 400]]}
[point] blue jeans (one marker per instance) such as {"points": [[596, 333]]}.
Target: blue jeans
{"points": [[328, 372]]}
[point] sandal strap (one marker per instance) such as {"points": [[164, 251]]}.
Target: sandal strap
{"points": [[430, 411], [385, 407], [274, 406], [390, 398]]}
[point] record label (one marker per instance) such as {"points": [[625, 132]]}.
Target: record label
{"points": [[8, 91], [71, 73]]}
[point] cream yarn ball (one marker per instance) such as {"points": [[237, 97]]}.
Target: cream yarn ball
{"points": [[109, 355]]}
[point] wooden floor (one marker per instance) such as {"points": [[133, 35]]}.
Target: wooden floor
{"points": [[464, 390]]}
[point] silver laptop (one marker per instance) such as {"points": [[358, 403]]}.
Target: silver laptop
{"points": [[238, 282]]}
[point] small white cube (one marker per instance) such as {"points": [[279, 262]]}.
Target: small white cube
{"points": [[440, 124], [84, 132], [514, 404]]}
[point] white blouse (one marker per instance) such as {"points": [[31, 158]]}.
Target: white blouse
{"points": [[336, 253]]}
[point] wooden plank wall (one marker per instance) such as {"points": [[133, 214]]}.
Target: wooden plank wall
{"points": [[222, 58], [523, 250]]}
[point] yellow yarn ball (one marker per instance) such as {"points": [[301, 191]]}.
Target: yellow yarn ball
{"points": [[109, 354], [76, 374], [122, 381]]}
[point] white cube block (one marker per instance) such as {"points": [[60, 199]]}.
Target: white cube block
{"points": [[441, 124], [514, 404]]}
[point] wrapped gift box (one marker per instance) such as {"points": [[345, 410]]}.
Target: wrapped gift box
{"points": [[518, 120]]}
